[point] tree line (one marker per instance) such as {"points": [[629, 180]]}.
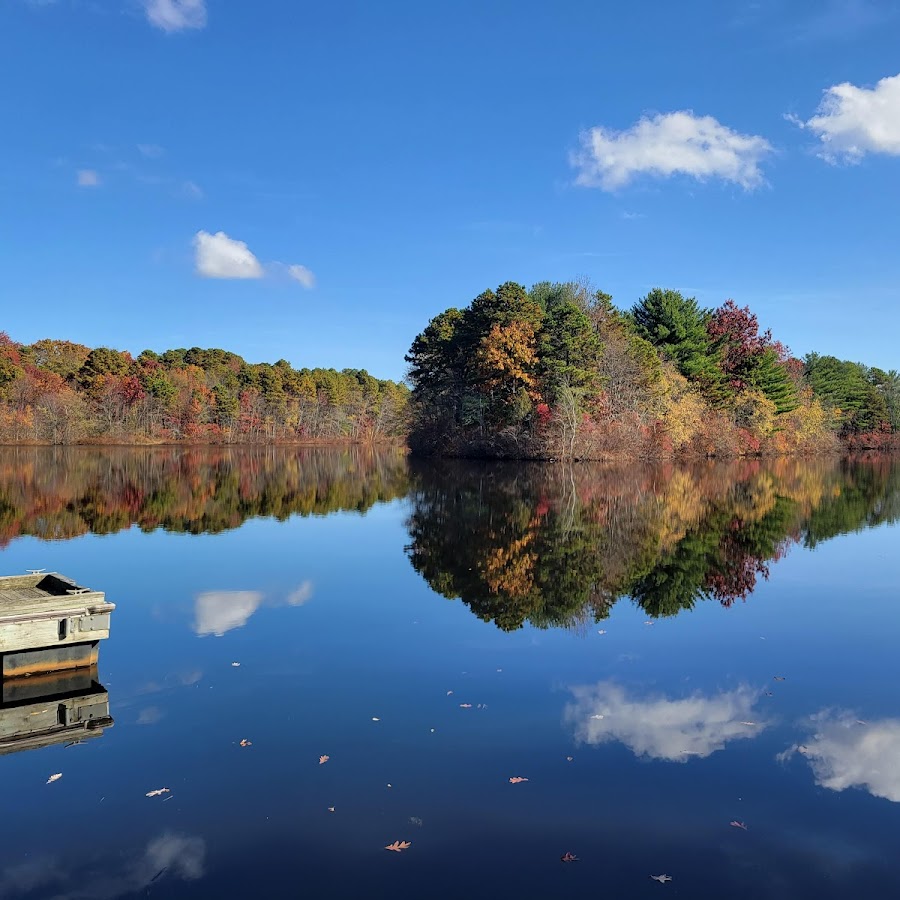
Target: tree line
{"points": [[558, 371], [59, 392]]}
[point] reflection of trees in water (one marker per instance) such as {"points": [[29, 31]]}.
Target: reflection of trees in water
{"points": [[556, 545], [62, 492]]}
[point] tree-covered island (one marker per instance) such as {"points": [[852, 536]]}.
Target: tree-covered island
{"points": [[560, 372]]}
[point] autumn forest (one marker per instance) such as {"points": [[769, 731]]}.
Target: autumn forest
{"points": [[556, 371]]}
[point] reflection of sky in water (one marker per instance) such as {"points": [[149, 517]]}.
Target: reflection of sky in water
{"points": [[846, 752], [378, 642], [216, 612], [674, 730]]}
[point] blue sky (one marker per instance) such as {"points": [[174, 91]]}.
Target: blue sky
{"points": [[314, 181]]}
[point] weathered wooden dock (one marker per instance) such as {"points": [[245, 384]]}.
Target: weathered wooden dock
{"points": [[48, 623]]}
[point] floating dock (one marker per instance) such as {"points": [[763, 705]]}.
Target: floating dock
{"points": [[48, 623]]}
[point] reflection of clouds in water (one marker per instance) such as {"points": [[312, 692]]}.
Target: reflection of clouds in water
{"points": [[150, 716], [216, 612], [674, 730], [845, 753], [167, 856]]}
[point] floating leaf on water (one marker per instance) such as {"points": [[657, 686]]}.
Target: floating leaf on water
{"points": [[323, 759], [736, 824], [602, 631], [449, 693], [648, 622], [517, 779], [375, 719], [569, 758], [662, 879], [235, 664], [246, 743], [779, 677], [330, 809], [569, 857], [157, 792], [747, 723], [465, 705], [53, 778], [397, 846], [597, 716]]}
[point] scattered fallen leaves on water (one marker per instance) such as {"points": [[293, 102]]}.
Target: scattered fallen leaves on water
{"points": [[246, 743], [53, 778], [235, 664], [736, 824], [330, 809], [517, 779], [157, 792], [602, 631], [375, 719], [465, 705], [569, 857], [397, 846], [662, 879], [323, 759], [569, 758], [780, 677]]}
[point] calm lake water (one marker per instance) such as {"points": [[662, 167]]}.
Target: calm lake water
{"points": [[662, 652]]}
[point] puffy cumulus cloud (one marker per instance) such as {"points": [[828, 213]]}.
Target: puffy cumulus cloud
{"points": [[852, 121], [219, 256], [216, 612], [670, 144], [88, 178], [673, 730], [844, 752], [303, 275], [176, 15], [302, 595]]}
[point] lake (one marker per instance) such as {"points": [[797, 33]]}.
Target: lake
{"points": [[692, 669]]}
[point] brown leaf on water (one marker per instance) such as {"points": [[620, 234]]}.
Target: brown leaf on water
{"points": [[323, 759], [246, 743], [157, 792], [517, 779], [53, 778], [397, 846], [569, 857], [736, 824]]}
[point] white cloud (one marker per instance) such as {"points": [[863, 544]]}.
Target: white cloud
{"points": [[193, 190], [151, 151], [845, 753], [302, 595], [216, 612], [176, 15], [670, 144], [852, 121], [673, 730], [88, 178], [303, 275], [219, 256]]}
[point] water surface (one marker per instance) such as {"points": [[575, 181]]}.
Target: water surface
{"points": [[659, 651]]}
